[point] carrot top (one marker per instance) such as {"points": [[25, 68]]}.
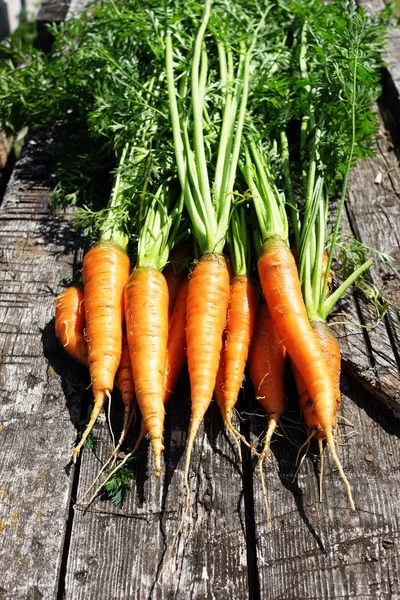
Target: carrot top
{"points": [[208, 112]]}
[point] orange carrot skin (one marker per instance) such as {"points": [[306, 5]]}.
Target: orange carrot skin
{"points": [[70, 323], [207, 304], [146, 313], [176, 346], [242, 311], [124, 377], [105, 271], [267, 358], [220, 379], [175, 272], [330, 350], [281, 287]]}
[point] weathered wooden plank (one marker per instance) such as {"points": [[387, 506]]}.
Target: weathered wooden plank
{"points": [[373, 210], [120, 557], [391, 73], [37, 252], [324, 550]]}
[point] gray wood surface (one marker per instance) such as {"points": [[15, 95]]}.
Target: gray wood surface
{"points": [[120, 557], [38, 251], [324, 551]]}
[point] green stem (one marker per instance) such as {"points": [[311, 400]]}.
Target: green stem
{"points": [[289, 190], [197, 220], [337, 294], [346, 175], [197, 104]]}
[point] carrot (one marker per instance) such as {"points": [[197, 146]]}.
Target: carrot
{"points": [[219, 384], [207, 303], [281, 287], [242, 310], [146, 313], [105, 272], [331, 352], [267, 358], [124, 381], [266, 362], [70, 323], [176, 271], [176, 346], [176, 352]]}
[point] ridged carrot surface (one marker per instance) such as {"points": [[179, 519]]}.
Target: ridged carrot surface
{"points": [[281, 287], [70, 323], [207, 303], [331, 352], [105, 272], [241, 317], [266, 363], [146, 313]]}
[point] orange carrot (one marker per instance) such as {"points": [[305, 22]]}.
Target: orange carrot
{"points": [[176, 352], [242, 310], [266, 362], [105, 272], [176, 347], [219, 384], [70, 323], [330, 350], [146, 313], [207, 303], [267, 358], [281, 287], [176, 271], [124, 380]]}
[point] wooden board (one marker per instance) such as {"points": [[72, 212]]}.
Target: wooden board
{"points": [[313, 550], [38, 250], [121, 556], [324, 551]]}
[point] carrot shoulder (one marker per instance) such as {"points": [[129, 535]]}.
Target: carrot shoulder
{"points": [[146, 313], [105, 272], [70, 323]]}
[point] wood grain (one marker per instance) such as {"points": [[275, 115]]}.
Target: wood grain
{"points": [[323, 550], [121, 557], [37, 252]]}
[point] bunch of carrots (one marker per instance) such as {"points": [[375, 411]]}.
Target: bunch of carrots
{"points": [[237, 128]]}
